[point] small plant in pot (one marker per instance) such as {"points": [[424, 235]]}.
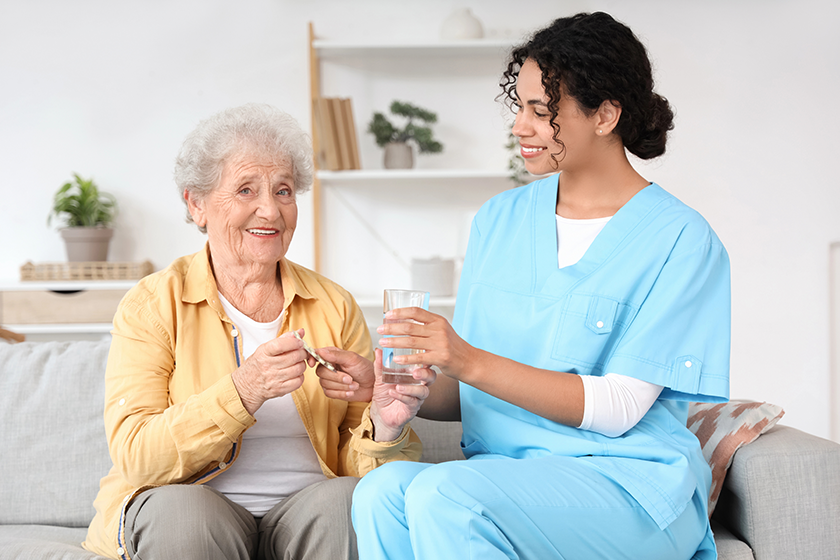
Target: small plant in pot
{"points": [[87, 215], [398, 153]]}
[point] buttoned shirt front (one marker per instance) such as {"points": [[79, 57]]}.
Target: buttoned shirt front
{"points": [[172, 412]]}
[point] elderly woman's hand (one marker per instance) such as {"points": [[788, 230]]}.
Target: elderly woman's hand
{"points": [[275, 369], [393, 406], [353, 379]]}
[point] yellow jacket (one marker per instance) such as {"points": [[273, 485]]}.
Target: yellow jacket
{"points": [[172, 413]]}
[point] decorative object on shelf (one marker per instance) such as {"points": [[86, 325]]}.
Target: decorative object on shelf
{"points": [[435, 275], [335, 129], [98, 270], [461, 24], [88, 215], [386, 133], [516, 165], [398, 155]]}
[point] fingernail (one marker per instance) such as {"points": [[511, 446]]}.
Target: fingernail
{"points": [[380, 328]]}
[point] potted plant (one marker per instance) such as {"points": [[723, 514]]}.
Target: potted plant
{"points": [[87, 215], [516, 165], [398, 153]]}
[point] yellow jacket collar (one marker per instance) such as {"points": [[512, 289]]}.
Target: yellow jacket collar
{"points": [[200, 283]]}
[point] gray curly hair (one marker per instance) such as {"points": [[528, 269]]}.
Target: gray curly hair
{"points": [[254, 126]]}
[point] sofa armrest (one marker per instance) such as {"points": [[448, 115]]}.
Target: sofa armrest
{"points": [[782, 496], [441, 440]]}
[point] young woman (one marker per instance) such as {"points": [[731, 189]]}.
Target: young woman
{"points": [[593, 306]]}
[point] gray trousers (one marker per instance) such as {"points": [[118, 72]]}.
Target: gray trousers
{"points": [[182, 522]]}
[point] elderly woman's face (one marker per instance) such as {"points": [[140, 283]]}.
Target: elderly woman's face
{"points": [[252, 213]]}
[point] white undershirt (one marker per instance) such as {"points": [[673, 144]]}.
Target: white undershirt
{"points": [[276, 458], [613, 403]]}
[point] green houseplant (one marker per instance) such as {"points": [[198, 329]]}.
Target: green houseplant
{"points": [[87, 215], [398, 154]]}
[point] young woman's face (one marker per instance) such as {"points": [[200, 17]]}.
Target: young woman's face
{"points": [[536, 135]]}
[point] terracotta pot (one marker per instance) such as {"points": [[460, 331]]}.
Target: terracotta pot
{"points": [[398, 155], [87, 244]]}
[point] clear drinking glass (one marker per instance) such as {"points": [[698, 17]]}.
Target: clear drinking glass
{"points": [[393, 372]]}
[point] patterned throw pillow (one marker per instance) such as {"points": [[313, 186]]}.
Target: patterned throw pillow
{"points": [[723, 428]]}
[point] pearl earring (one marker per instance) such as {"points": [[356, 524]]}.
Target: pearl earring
{"points": [[600, 131]]}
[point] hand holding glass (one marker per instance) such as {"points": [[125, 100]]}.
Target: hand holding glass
{"points": [[393, 372]]}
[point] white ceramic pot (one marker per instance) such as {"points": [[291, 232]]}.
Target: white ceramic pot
{"points": [[461, 24], [398, 155]]}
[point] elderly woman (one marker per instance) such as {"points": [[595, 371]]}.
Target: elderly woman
{"points": [[224, 444]]}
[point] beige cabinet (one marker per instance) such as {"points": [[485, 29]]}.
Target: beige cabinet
{"points": [[61, 310]]}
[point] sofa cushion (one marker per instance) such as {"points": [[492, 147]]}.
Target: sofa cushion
{"points": [[723, 428], [730, 547], [51, 412], [441, 440], [40, 542]]}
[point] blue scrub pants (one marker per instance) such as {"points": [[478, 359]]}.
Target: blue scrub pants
{"points": [[493, 507]]}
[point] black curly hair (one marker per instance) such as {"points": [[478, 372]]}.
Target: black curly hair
{"points": [[594, 58]]}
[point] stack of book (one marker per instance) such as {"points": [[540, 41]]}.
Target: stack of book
{"points": [[335, 130]]}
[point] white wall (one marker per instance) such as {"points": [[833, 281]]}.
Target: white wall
{"points": [[110, 89]]}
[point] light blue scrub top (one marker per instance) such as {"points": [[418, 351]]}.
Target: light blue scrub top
{"points": [[649, 299]]}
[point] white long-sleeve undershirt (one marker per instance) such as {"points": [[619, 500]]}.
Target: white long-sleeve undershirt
{"points": [[613, 403]]}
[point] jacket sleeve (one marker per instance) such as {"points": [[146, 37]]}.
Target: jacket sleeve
{"points": [[153, 441], [358, 452]]}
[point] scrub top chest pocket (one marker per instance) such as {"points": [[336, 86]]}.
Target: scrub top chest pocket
{"points": [[588, 330]]}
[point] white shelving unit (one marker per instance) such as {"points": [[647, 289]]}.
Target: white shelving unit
{"points": [[434, 205]]}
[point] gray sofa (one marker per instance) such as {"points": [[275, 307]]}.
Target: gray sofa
{"points": [[781, 499]]}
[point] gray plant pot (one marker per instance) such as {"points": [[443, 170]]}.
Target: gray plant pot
{"points": [[87, 244], [398, 155]]}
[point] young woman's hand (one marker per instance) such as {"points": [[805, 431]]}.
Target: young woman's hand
{"points": [[416, 328], [353, 379]]}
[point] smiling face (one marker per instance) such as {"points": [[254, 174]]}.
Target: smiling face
{"points": [[578, 132], [251, 214]]}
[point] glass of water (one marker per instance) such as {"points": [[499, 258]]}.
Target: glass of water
{"points": [[393, 372]]}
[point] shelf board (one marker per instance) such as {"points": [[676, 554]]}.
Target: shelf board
{"points": [[66, 328], [368, 302], [328, 48], [66, 285], [378, 176]]}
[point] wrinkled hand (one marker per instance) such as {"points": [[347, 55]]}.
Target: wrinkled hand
{"points": [[273, 370], [394, 405], [416, 328], [353, 381]]}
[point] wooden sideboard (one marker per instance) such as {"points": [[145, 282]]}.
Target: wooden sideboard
{"points": [[70, 310]]}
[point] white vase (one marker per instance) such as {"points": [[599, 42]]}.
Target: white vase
{"points": [[461, 24], [398, 155], [435, 275]]}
